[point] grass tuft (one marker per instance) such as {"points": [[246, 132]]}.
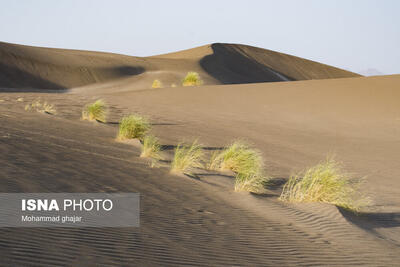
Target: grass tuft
{"points": [[214, 163], [252, 183], [151, 147], [156, 84], [48, 108], [192, 79], [186, 158], [245, 161], [133, 126], [96, 111], [324, 182], [242, 159], [41, 107]]}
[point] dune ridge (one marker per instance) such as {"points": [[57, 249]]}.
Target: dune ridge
{"points": [[27, 67]]}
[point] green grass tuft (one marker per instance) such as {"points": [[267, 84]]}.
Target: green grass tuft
{"points": [[133, 126], [192, 79], [242, 159], [325, 182], [156, 84], [252, 183], [186, 158], [151, 147], [214, 163], [247, 164], [96, 111]]}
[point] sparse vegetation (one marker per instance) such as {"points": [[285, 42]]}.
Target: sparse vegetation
{"points": [[156, 84], [133, 126], [48, 108], [325, 182], [192, 79], [186, 158], [96, 111], [41, 107], [151, 147]]}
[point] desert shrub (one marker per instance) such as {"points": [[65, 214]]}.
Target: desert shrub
{"points": [[192, 79], [133, 126], [151, 147], [186, 158], [156, 84], [324, 182], [96, 111]]}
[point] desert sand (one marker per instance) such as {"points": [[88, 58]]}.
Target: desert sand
{"points": [[294, 110]]}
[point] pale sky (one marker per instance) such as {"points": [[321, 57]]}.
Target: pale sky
{"points": [[350, 34]]}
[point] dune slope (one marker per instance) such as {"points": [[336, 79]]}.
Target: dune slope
{"points": [[184, 221]]}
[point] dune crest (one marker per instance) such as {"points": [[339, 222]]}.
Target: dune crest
{"points": [[27, 67]]}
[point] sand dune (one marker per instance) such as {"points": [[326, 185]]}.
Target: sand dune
{"points": [[26, 67], [184, 221], [201, 222]]}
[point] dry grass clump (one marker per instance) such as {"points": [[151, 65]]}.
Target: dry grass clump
{"points": [[41, 107], [247, 164], [151, 147], [325, 182], [133, 126], [240, 158], [192, 79], [48, 108], [96, 111], [156, 84], [214, 163], [251, 183], [186, 158]]}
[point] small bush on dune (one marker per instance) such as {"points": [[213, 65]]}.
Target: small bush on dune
{"points": [[156, 84], [151, 147], [192, 79], [325, 182], [95, 112], [186, 158], [133, 126]]}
